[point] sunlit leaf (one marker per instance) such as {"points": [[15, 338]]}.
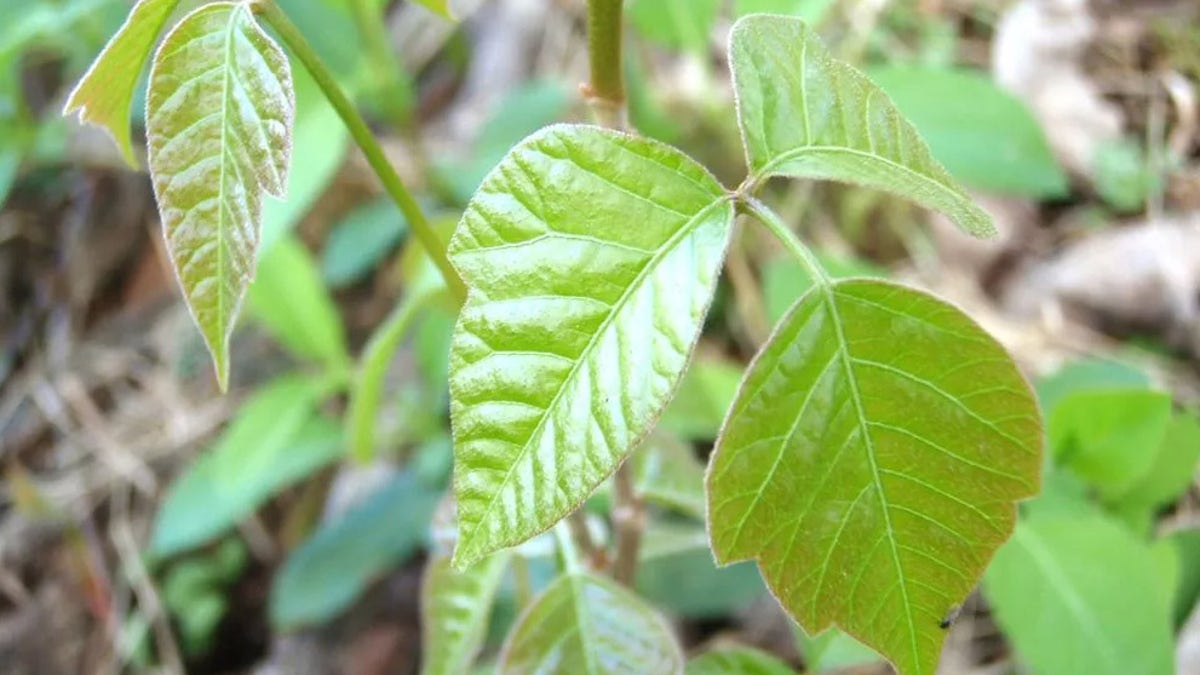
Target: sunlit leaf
{"points": [[1076, 596], [219, 126], [591, 257], [737, 661], [105, 93], [871, 464], [587, 625], [807, 115], [455, 607]]}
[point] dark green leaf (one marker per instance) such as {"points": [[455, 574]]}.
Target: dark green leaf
{"points": [[362, 239]]}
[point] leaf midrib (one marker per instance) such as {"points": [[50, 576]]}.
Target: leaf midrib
{"points": [[222, 263], [686, 229]]}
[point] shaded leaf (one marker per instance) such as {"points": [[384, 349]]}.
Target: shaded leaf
{"points": [[832, 650], [578, 325], [326, 573], [274, 441], [737, 661], [985, 137], [361, 240], [708, 388], [676, 572], [871, 463], [219, 125], [1052, 590], [105, 93], [807, 115], [455, 607], [668, 473], [587, 625]]}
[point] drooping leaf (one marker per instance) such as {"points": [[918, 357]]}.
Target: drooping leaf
{"points": [[588, 625], [708, 388], [104, 95], [455, 607], [274, 441], [219, 124], [985, 137], [807, 115], [737, 661], [331, 569], [1075, 595], [290, 298], [591, 258], [871, 464], [677, 24], [668, 473]]}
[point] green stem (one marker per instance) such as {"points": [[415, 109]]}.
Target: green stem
{"points": [[789, 240], [568, 555], [606, 91], [523, 581], [368, 383], [361, 133]]}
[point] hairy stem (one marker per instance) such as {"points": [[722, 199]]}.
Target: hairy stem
{"points": [[362, 135], [789, 240], [606, 90]]}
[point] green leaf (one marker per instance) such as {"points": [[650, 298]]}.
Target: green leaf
{"points": [[587, 625], [104, 95], [708, 388], [330, 570], [676, 24], [454, 612], [785, 280], [440, 7], [668, 473], [1110, 438], [1185, 544], [1086, 375], [807, 115], [737, 661], [290, 298], [811, 11], [983, 135], [219, 127], [1174, 467], [1075, 595], [578, 324], [833, 650], [676, 572], [274, 441], [871, 462], [361, 240]]}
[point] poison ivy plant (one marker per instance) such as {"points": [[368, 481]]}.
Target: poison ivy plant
{"points": [[737, 661], [218, 124]]}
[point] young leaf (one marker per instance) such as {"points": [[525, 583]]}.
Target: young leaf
{"points": [[807, 115], [587, 625], [871, 463], [591, 258], [454, 612], [737, 661], [105, 93], [1076, 595], [219, 117]]}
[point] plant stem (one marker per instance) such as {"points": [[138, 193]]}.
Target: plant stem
{"points": [[368, 382], [629, 519], [568, 556], [789, 240], [522, 581], [362, 135], [606, 91], [595, 556]]}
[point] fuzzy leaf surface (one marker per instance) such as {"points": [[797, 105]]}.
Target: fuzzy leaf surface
{"points": [[805, 114], [105, 93], [591, 259], [587, 625], [871, 464], [219, 119]]}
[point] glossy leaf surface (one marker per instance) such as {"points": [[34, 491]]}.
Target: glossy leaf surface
{"points": [[871, 464], [219, 124], [104, 95], [591, 258], [737, 661], [807, 115], [455, 608], [587, 625]]}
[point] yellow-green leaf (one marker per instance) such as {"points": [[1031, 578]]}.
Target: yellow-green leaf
{"points": [[219, 124], [439, 7], [591, 258], [805, 114], [105, 93], [871, 464], [455, 607]]}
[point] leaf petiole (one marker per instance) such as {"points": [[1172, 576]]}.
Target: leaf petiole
{"points": [[790, 241]]}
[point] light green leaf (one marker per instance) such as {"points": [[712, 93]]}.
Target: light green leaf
{"points": [[1086, 375], [708, 388], [1174, 467], [290, 298], [737, 661], [455, 607], [811, 11], [1185, 544], [274, 441], [219, 125], [587, 625], [591, 257], [439, 7], [871, 463], [677, 24], [104, 95], [330, 570], [806, 115], [833, 650], [983, 135], [669, 474], [1076, 596], [785, 280]]}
